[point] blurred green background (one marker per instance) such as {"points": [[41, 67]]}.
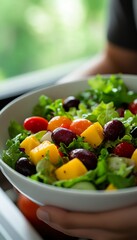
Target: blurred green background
{"points": [[37, 34]]}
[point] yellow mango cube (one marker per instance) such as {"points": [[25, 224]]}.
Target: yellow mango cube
{"points": [[134, 157], [29, 143], [72, 169], [111, 187], [93, 134], [46, 147]]}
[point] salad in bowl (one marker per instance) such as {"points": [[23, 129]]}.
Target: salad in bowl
{"points": [[87, 141], [81, 142]]}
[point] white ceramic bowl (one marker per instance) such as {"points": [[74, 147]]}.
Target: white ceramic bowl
{"points": [[78, 200]]}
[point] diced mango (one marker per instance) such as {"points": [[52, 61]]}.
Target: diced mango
{"points": [[111, 187], [29, 143], [134, 157], [72, 169], [93, 134], [46, 147]]}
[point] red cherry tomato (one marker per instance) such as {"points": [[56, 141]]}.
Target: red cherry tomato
{"points": [[35, 124], [133, 107], [79, 125], [124, 149]]}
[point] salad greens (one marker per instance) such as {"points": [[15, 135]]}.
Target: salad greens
{"points": [[98, 103], [13, 153]]}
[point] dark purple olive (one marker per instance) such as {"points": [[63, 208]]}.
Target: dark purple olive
{"points": [[25, 166], [62, 135], [114, 129], [69, 102], [88, 158]]}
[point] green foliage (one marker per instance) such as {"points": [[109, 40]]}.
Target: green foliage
{"points": [[38, 34]]}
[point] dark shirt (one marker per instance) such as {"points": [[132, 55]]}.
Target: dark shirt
{"points": [[122, 24]]}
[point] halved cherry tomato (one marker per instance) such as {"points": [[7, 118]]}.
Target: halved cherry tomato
{"points": [[59, 121], [35, 124], [79, 125], [133, 107]]}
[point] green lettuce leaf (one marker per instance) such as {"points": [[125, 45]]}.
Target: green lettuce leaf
{"points": [[121, 182], [76, 143], [103, 113], [15, 128], [42, 107], [112, 87], [13, 153]]}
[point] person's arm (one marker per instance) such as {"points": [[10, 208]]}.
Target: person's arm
{"points": [[114, 59]]}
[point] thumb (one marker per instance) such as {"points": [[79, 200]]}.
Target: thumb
{"points": [[49, 214]]}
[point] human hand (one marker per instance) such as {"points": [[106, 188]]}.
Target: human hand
{"points": [[119, 224], [29, 209]]}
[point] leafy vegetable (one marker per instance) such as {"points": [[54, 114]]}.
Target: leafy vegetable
{"points": [[103, 113], [112, 87], [76, 143], [15, 128], [42, 107], [121, 182], [13, 153]]}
